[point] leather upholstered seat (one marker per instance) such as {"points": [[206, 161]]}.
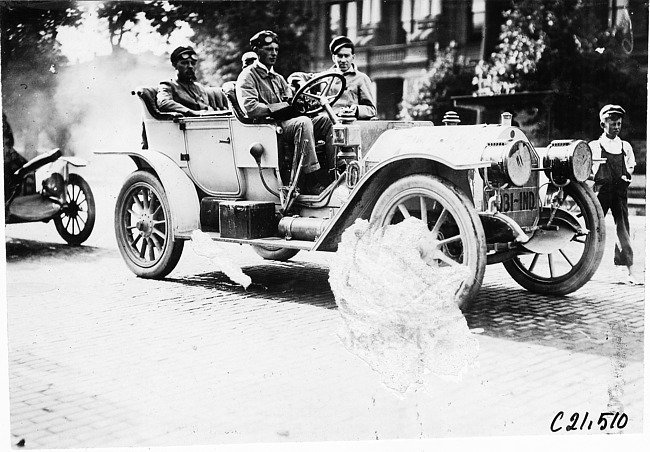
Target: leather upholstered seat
{"points": [[148, 96], [228, 89]]}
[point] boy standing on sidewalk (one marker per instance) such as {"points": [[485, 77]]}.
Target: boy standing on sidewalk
{"points": [[611, 180]]}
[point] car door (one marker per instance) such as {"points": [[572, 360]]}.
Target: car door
{"points": [[210, 156]]}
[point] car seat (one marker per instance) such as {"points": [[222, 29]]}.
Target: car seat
{"points": [[147, 96], [228, 90]]}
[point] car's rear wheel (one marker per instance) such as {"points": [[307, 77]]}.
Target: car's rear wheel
{"points": [[77, 218], [562, 270], [143, 227], [457, 236], [275, 253]]}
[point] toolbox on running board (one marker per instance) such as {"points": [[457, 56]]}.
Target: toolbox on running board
{"points": [[247, 219], [209, 214]]}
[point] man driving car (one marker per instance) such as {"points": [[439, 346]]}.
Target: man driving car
{"points": [[262, 93]]}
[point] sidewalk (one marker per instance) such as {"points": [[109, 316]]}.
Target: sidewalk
{"points": [[637, 195]]}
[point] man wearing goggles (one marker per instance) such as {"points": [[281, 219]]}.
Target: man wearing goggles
{"points": [[184, 95]]}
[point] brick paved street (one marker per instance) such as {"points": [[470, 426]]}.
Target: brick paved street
{"points": [[98, 357]]}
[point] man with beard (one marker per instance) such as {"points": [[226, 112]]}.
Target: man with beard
{"points": [[184, 95]]}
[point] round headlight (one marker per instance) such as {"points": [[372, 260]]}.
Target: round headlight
{"points": [[581, 162], [568, 159], [512, 162], [518, 163]]}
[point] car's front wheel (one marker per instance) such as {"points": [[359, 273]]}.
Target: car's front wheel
{"points": [[457, 236], [143, 227], [561, 270]]}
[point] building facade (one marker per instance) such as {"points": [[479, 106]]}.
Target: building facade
{"points": [[396, 39]]}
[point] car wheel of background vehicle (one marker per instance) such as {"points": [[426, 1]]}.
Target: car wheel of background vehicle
{"points": [[569, 268], [458, 237], [77, 219], [275, 253], [143, 227]]}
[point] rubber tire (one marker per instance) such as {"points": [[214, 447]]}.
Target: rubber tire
{"points": [[464, 213], [172, 249], [275, 254], [589, 261], [82, 236]]}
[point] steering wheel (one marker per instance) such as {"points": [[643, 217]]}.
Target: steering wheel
{"points": [[307, 100]]}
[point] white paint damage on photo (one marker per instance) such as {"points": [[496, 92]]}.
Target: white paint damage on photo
{"points": [[399, 313], [204, 246]]}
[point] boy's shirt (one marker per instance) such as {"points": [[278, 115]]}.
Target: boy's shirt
{"points": [[613, 146]]}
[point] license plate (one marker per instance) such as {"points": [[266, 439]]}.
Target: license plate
{"points": [[518, 199]]}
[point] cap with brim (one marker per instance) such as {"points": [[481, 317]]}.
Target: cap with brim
{"points": [[248, 56], [183, 53], [609, 110], [263, 38], [339, 42]]}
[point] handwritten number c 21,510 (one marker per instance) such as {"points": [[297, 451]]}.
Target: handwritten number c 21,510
{"points": [[579, 421]]}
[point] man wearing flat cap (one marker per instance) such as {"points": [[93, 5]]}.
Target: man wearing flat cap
{"points": [[184, 95], [357, 100], [611, 180], [264, 93]]}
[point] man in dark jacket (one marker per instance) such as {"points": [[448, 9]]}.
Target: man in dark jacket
{"points": [[184, 95]]}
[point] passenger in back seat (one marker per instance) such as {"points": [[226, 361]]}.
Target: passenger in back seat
{"points": [[184, 95]]}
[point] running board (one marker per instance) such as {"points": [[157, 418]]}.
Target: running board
{"points": [[266, 241]]}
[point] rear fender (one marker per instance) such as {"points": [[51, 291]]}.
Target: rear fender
{"points": [[179, 188], [367, 191]]}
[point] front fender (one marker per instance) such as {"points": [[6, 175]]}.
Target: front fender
{"points": [[179, 188], [365, 194], [458, 147]]}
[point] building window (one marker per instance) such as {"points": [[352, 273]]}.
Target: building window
{"points": [[610, 13], [620, 14], [477, 21], [337, 19]]}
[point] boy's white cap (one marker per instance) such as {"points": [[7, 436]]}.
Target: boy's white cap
{"points": [[609, 110]]}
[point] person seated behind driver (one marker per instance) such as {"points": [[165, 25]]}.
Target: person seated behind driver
{"points": [[248, 58], [184, 95], [357, 100], [262, 93]]}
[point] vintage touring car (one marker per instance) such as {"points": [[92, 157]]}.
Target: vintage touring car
{"points": [[486, 193]]}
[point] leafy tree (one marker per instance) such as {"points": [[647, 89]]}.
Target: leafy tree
{"points": [[223, 29], [121, 17], [449, 75], [562, 46], [30, 61]]}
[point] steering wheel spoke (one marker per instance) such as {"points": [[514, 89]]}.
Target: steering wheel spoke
{"points": [[303, 100]]}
